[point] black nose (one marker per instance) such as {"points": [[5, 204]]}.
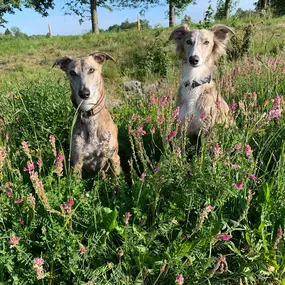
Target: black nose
{"points": [[84, 94], [194, 60]]}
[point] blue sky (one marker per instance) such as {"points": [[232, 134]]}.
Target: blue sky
{"points": [[31, 22]]}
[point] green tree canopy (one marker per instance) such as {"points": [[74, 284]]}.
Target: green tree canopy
{"points": [[9, 7]]}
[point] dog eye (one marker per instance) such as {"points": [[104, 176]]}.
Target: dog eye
{"points": [[91, 70], [188, 42], [72, 73], [206, 43]]}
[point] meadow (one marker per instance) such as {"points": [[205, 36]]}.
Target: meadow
{"points": [[174, 215]]}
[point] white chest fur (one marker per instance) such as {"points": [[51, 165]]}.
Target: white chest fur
{"points": [[189, 97]]}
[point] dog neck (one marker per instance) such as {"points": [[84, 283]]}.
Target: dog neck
{"points": [[197, 74], [97, 108]]}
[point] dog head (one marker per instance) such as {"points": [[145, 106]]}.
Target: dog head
{"points": [[85, 78], [199, 47]]}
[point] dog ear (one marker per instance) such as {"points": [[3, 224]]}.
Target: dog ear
{"points": [[179, 33], [221, 32], [101, 57], [63, 62]]}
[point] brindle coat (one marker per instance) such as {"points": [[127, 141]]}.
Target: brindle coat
{"points": [[94, 137]]}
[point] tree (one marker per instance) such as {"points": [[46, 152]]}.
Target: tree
{"points": [[9, 7], [224, 8], [87, 9], [277, 6], [7, 32], [176, 7]]}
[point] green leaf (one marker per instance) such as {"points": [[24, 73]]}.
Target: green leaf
{"points": [[110, 219]]}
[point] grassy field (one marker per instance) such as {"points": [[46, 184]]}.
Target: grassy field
{"points": [[173, 216]]}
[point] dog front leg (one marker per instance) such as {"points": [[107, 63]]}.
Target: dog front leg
{"points": [[76, 161]]}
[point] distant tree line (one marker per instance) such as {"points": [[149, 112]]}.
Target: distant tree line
{"points": [[225, 7], [15, 32], [126, 25]]}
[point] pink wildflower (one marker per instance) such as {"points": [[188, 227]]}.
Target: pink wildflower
{"points": [[52, 142], [30, 167], [253, 177], [82, 249], [274, 114], [14, 241], [2, 157], [176, 113], [239, 185], [127, 217], [171, 136], [140, 130], [180, 279], [254, 95], [223, 237], [164, 100], [217, 150], [148, 120], [238, 146], [178, 151], [277, 102], [26, 149], [208, 208], [152, 130], [65, 207], [235, 166], [233, 106], [18, 201], [38, 267], [39, 163], [8, 190], [160, 120], [59, 164], [70, 202], [278, 237], [156, 169], [22, 222], [248, 150], [280, 232], [203, 116], [17, 118], [143, 175], [135, 116], [162, 267]]}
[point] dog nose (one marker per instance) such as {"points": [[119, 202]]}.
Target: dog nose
{"points": [[84, 94], [194, 60]]}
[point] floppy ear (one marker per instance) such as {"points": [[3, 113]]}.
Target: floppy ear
{"points": [[63, 62], [179, 33], [221, 32], [101, 57], [221, 36]]}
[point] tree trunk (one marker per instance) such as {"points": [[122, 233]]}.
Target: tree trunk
{"points": [[171, 15], [262, 4], [94, 17], [227, 8]]}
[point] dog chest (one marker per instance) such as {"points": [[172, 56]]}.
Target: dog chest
{"points": [[188, 101]]}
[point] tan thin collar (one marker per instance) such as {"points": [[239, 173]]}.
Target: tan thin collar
{"points": [[97, 108]]}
